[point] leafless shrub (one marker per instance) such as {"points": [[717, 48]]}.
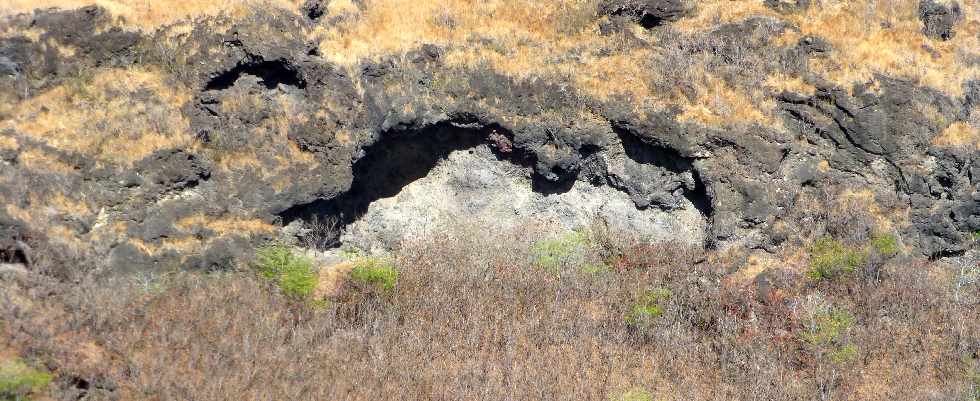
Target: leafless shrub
{"points": [[321, 233], [472, 318]]}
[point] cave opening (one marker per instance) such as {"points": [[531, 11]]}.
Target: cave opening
{"points": [[456, 164], [271, 73], [401, 157]]}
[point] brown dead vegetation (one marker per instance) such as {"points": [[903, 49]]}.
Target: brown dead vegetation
{"points": [[149, 15], [116, 116], [472, 318]]}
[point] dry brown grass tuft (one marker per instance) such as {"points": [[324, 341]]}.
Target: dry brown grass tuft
{"points": [[225, 224], [149, 15], [718, 104], [394, 26], [116, 116], [869, 37], [959, 135]]}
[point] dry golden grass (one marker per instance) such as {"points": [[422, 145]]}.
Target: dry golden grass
{"points": [[190, 242], [959, 135], [781, 82], [185, 246], [8, 143], [395, 26], [151, 14], [224, 225], [330, 280], [718, 104], [517, 38], [710, 13], [868, 37], [529, 39], [117, 116], [863, 200]]}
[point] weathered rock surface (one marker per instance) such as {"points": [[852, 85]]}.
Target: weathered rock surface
{"points": [[938, 19], [648, 13], [283, 135]]}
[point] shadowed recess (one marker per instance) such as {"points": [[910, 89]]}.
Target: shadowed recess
{"points": [[398, 159], [401, 157], [270, 73]]}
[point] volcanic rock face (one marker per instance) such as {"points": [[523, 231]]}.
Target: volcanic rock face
{"points": [[648, 13], [472, 186], [277, 135], [414, 183], [939, 20]]}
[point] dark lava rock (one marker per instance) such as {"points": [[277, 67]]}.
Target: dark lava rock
{"points": [[788, 6], [314, 9], [341, 119], [172, 170], [814, 45], [648, 13], [938, 20]]}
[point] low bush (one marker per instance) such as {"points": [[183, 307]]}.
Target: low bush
{"points": [[469, 318], [374, 272], [648, 307], [885, 244], [294, 274], [18, 381], [826, 334], [634, 394], [831, 259], [552, 254]]}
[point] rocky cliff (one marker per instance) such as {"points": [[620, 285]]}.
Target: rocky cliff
{"points": [[132, 143]]}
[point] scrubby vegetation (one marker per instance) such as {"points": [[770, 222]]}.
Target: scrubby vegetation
{"points": [[18, 381], [294, 274], [466, 318], [374, 272], [831, 259]]}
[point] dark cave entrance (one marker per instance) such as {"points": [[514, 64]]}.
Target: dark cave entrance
{"points": [[270, 73], [401, 157]]}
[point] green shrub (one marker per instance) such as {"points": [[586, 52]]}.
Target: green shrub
{"points": [[294, 274], [596, 268], [552, 254], [831, 259], [843, 354], [829, 327], [648, 306], [17, 380], [826, 334], [633, 394], [885, 244], [350, 254], [375, 272]]}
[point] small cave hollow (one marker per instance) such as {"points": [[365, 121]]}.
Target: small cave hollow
{"points": [[270, 73], [671, 160], [411, 181]]}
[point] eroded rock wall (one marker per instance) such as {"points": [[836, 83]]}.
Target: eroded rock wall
{"points": [[276, 132]]}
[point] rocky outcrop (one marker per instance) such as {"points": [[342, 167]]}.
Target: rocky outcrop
{"points": [[890, 129], [788, 6], [938, 19], [281, 134], [647, 13]]}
